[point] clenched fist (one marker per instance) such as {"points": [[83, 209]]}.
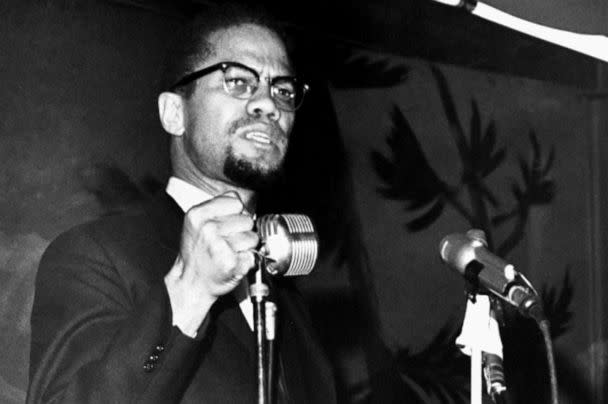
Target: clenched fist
{"points": [[216, 252]]}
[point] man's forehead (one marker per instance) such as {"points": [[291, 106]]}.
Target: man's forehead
{"points": [[252, 45]]}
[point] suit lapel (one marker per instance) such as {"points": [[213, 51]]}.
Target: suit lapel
{"points": [[230, 317], [167, 217]]}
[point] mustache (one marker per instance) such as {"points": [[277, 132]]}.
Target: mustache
{"points": [[275, 130]]}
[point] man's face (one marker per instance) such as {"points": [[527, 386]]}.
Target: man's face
{"points": [[241, 142]]}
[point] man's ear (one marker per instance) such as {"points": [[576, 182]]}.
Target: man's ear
{"points": [[171, 113]]}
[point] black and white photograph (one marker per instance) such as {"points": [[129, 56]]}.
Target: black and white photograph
{"points": [[306, 202]]}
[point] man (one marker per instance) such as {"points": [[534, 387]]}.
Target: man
{"points": [[152, 307]]}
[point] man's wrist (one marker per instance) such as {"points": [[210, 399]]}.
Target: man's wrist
{"points": [[187, 329], [187, 312], [189, 320]]}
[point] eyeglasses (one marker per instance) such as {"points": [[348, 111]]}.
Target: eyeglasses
{"points": [[242, 82]]}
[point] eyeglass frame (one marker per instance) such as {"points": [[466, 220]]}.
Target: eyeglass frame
{"points": [[223, 66]]}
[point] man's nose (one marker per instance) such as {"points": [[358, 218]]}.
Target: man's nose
{"points": [[262, 104]]}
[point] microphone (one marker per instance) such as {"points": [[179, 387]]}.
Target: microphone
{"points": [[467, 254], [289, 244]]}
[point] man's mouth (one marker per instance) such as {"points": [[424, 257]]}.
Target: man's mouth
{"points": [[259, 137]]}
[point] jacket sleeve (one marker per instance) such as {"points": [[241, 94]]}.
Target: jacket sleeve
{"points": [[92, 342]]}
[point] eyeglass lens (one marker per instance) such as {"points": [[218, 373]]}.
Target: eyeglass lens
{"points": [[242, 83]]}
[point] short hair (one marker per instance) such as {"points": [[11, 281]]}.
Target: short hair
{"points": [[191, 43]]}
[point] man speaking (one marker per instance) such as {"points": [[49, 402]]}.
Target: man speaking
{"points": [[153, 307]]}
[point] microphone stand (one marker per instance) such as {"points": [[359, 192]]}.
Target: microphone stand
{"points": [[481, 340], [258, 292], [289, 247], [490, 358]]}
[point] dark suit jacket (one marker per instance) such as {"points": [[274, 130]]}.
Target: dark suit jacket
{"points": [[101, 325]]}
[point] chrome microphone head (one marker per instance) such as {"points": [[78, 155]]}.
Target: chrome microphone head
{"points": [[458, 250], [289, 244]]}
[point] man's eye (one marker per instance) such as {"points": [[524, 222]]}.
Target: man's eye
{"points": [[237, 82], [240, 86], [285, 92]]}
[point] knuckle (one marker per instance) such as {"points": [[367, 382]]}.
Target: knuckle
{"points": [[219, 206], [249, 223], [244, 241], [223, 255], [252, 239], [209, 228], [246, 261], [232, 204], [196, 216], [255, 237], [233, 196]]}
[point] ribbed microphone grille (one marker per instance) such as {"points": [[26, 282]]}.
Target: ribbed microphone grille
{"points": [[304, 244], [298, 223]]}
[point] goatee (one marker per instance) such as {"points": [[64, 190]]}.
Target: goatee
{"points": [[246, 174]]}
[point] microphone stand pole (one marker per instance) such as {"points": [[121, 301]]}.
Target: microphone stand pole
{"points": [[259, 291], [476, 365], [271, 318]]}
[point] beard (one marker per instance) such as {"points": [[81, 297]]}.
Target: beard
{"points": [[246, 174], [250, 174]]}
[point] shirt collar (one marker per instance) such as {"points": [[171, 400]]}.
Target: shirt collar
{"points": [[185, 194]]}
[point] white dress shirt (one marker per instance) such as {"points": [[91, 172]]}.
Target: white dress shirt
{"points": [[186, 196]]}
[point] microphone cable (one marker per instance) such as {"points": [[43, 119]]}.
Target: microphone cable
{"points": [[546, 331]]}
